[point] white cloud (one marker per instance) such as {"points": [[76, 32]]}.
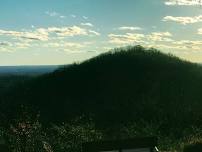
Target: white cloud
{"points": [[160, 36], [5, 44], [52, 14], [130, 28], [94, 32], [184, 20], [55, 14], [10, 47], [36, 35], [200, 31], [85, 17], [183, 2], [181, 44], [45, 34], [73, 16], [62, 16], [63, 44], [22, 45], [87, 24], [128, 38], [188, 42], [167, 34], [67, 31]]}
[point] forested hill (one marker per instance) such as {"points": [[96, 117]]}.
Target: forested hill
{"points": [[124, 85]]}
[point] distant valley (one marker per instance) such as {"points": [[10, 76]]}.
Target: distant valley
{"points": [[27, 70]]}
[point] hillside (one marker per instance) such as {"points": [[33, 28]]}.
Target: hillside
{"points": [[117, 87], [127, 92]]}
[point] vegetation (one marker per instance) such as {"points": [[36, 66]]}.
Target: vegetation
{"points": [[124, 93]]}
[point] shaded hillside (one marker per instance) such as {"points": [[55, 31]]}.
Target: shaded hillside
{"points": [[121, 86], [9, 81]]}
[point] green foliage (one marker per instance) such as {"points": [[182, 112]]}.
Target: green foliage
{"points": [[127, 92], [25, 134], [70, 136]]}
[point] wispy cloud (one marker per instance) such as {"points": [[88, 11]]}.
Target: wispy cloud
{"points": [[94, 33], [188, 42], [40, 35], [44, 34], [85, 17], [200, 31], [62, 16], [184, 20], [63, 44], [52, 14], [55, 14], [129, 28], [87, 24], [168, 34], [183, 2], [67, 31], [11, 47], [128, 38], [160, 36], [5, 43], [73, 16]]}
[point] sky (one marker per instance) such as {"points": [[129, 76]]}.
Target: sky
{"points": [[50, 32]]}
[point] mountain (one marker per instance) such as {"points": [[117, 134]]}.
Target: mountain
{"points": [[125, 85]]}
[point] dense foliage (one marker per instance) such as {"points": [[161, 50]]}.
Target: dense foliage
{"points": [[124, 93]]}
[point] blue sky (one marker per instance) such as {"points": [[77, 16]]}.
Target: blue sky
{"points": [[38, 32]]}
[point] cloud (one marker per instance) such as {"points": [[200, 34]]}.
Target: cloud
{"points": [[184, 20], [73, 16], [129, 28], [160, 36], [52, 14], [85, 17], [10, 47], [127, 38], [200, 31], [5, 43], [45, 34], [22, 45], [62, 16], [188, 42], [55, 14], [167, 34], [183, 2], [180, 45], [67, 31], [36, 35], [94, 33], [87, 24], [63, 44], [130, 38]]}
